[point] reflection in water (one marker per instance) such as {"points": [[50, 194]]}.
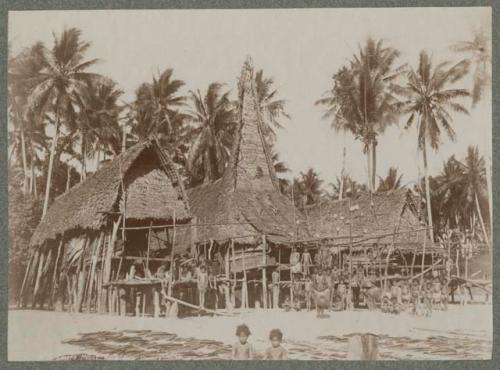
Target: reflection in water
{"points": [[152, 345]]}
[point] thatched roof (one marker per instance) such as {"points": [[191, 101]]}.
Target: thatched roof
{"points": [[371, 215], [152, 186], [246, 200]]}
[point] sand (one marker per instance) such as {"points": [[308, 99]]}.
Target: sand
{"points": [[39, 335]]}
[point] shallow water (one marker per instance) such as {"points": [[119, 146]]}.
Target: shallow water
{"points": [[155, 345]]}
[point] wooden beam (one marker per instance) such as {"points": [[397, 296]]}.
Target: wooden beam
{"points": [[264, 277], [170, 298]]}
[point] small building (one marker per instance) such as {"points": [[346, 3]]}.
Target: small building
{"points": [[123, 214], [371, 225]]}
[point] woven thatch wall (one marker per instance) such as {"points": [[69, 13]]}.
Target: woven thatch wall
{"points": [[86, 206], [247, 198], [371, 215]]}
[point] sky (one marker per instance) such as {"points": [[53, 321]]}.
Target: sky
{"points": [[300, 48]]}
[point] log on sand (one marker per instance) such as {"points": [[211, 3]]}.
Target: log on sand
{"points": [[170, 298]]}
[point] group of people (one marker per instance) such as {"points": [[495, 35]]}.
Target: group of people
{"points": [[243, 349], [416, 297], [326, 288]]}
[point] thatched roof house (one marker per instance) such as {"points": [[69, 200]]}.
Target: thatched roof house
{"points": [[369, 218], [246, 202], [153, 190]]}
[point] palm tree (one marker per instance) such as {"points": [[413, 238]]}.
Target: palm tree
{"points": [[97, 120], [429, 98], [448, 192], [310, 184], [156, 108], [23, 68], [478, 54], [391, 182], [280, 167], [63, 76], [345, 187], [214, 122], [272, 109], [474, 183], [362, 99]]}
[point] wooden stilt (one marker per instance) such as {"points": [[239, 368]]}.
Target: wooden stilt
{"points": [[264, 277], [172, 271], [38, 277], [95, 253], [149, 242], [100, 278], [423, 261], [82, 278], [55, 274], [122, 296], [156, 302], [107, 261], [26, 274]]}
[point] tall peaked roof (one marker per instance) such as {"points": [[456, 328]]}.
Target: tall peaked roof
{"points": [[250, 165], [246, 201]]}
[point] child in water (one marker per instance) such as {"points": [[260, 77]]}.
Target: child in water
{"points": [[242, 350], [276, 351]]}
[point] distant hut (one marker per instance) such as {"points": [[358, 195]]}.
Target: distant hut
{"points": [[243, 216], [379, 224], [121, 214]]}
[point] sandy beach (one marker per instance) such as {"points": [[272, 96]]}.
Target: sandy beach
{"points": [[460, 333]]}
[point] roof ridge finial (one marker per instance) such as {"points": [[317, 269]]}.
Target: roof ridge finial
{"points": [[246, 76]]}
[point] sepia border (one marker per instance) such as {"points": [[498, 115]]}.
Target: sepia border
{"points": [[6, 5]]}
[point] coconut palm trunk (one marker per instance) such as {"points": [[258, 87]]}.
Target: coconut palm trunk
{"points": [[25, 162], [83, 154], [480, 216], [374, 163], [51, 165], [427, 190], [32, 169], [369, 165], [489, 188]]}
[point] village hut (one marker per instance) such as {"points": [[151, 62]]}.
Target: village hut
{"points": [[123, 214], [373, 225], [243, 215]]}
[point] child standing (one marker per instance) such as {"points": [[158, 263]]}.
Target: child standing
{"points": [[242, 350], [276, 351]]}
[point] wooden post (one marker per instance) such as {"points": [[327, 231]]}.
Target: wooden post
{"points": [[82, 278], [423, 260], [100, 279], [156, 302], [55, 279], [107, 262], [122, 296], [95, 254], [30, 262], [363, 347], [226, 263], [350, 304], [244, 288], [172, 259], [38, 277], [149, 242], [264, 277]]}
